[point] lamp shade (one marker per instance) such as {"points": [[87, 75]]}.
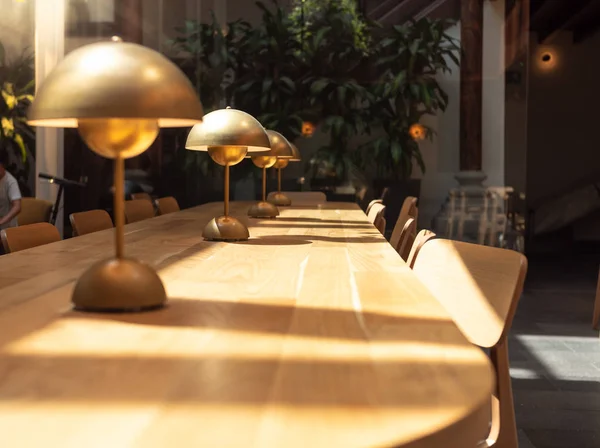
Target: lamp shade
{"points": [[280, 146], [228, 128], [297, 157], [114, 79]]}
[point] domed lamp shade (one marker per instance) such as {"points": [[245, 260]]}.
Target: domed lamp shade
{"points": [[297, 156], [286, 148], [279, 151], [228, 135], [118, 95]]}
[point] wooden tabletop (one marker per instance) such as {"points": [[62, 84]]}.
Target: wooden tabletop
{"points": [[312, 334]]}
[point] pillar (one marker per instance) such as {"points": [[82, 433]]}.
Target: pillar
{"points": [[471, 70], [49, 50]]}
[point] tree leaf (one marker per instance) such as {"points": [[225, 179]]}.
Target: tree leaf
{"points": [[396, 151], [289, 83], [21, 144], [266, 85], [318, 86]]}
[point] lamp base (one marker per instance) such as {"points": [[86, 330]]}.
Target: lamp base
{"points": [[280, 200], [119, 286], [263, 210], [225, 228]]}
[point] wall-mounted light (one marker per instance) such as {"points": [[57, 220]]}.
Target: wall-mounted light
{"points": [[308, 129], [546, 59], [417, 131]]}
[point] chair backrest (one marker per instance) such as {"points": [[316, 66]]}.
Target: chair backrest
{"points": [[377, 216], [90, 221], [136, 196], [478, 285], [408, 210], [304, 197], [138, 210], [407, 238], [19, 238], [34, 210], [167, 205], [422, 237], [372, 203]]}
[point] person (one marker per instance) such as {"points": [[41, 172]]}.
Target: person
{"points": [[10, 195]]}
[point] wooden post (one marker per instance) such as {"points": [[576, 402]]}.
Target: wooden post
{"points": [[471, 68], [130, 23]]}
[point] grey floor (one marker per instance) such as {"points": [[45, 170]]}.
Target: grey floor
{"points": [[555, 355]]}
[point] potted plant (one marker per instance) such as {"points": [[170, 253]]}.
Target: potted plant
{"points": [[408, 58], [210, 54], [16, 94], [268, 83], [334, 42]]}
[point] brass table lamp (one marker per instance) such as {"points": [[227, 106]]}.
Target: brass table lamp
{"points": [[118, 95], [280, 150], [279, 198], [228, 135]]}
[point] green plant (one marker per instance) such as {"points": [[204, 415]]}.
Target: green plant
{"points": [[334, 46], [409, 57], [210, 55], [267, 86], [309, 17], [16, 94]]}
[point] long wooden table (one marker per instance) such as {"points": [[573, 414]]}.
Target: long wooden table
{"points": [[312, 334]]}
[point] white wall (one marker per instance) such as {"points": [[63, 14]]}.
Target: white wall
{"points": [[442, 156], [16, 26], [493, 92]]}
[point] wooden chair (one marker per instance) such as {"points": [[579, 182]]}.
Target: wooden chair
{"points": [[19, 238], [377, 217], [480, 287], [90, 222], [408, 210], [136, 196], [33, 211], [303, 197], [596, 317], [166, 205], [407, 238], [372, 203], [138, 210], [422, 237]]}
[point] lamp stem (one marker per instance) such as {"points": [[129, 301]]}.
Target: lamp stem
{"points": [[279, 180], [119, 211], [226, 203], [264, 184]]}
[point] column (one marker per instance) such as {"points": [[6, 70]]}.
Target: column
{"points": [[49, 50], [471, 71]]}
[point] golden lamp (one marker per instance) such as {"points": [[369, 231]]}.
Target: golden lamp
{"points": [[118, 95], [293, 155], [280, 150], [228, 135]]}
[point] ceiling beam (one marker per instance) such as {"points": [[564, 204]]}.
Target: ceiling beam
{"points": [[554, 15], [586, 24]]}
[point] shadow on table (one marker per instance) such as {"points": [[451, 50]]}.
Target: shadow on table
{"points": [[274, 241], [355, 381], [326, 221], [325, 323], [272, 223]]}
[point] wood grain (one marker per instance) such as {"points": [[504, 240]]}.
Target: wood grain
{"points": [[314, 333]]}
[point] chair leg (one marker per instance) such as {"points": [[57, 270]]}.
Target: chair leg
{"points": [[596, 317], [507, 431]]}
